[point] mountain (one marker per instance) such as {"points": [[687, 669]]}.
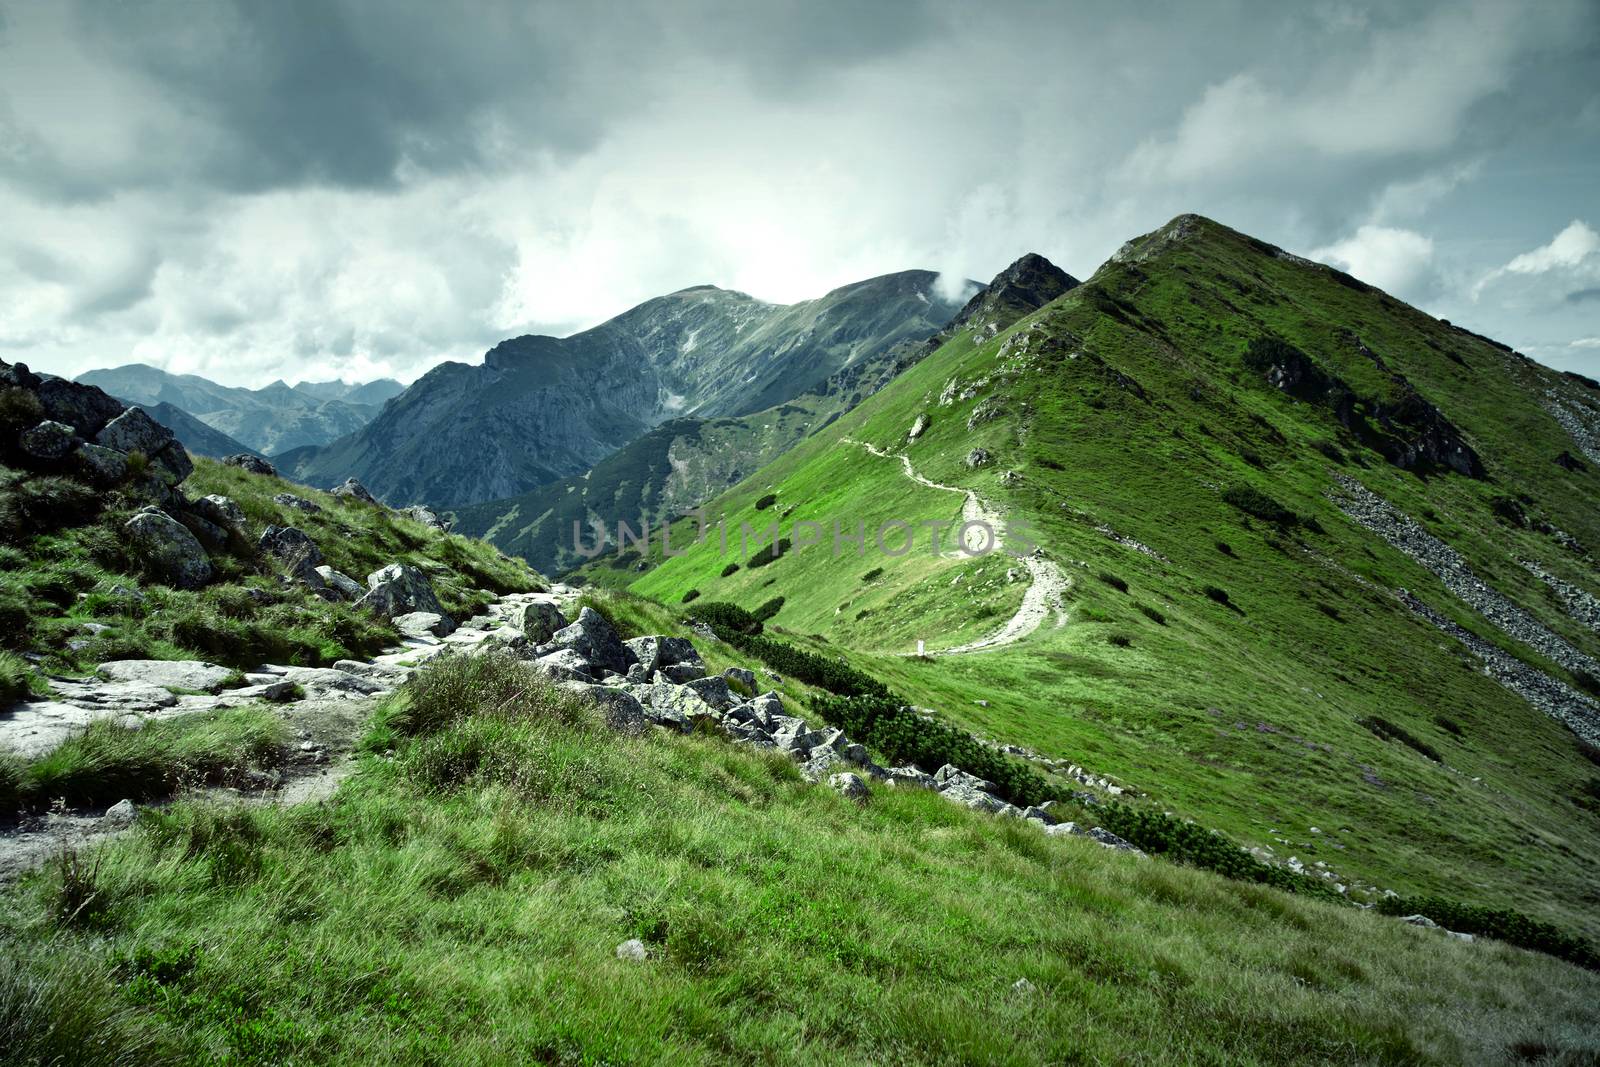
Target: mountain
{"points": [[684, 462], [1314, 568], [539, 409], [272, 419], [195, 435]]}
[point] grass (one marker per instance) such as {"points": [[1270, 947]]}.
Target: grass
{"points": [[71, 592], [488, 869], [109, 762]]}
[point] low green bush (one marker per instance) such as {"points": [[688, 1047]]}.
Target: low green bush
{"points": [[1254, 502], [1113, 581], [730, 570], [769, 609], [766, 501], [1385, 730], [1502, 924], [691, 595]]}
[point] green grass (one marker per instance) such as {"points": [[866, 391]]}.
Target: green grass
{"points": [[460, 904], [1231, 680], [109, 762], [63, 576]]}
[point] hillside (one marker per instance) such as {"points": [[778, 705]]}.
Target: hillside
{"points": [[540, 409], [275, 418], [685, 462], [1186, 436]]}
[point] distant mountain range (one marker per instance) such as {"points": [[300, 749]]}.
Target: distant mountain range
{"points": [[539, 409], [685, 462], [267, 421]]}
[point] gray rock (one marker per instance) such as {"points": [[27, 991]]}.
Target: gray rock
{"points": [[1062, 829], [565, 665], [424, 624], [295, 550], [353, 489], [426, 516], [621, 708], [167, 549], [849, 785], [675, 650], [135, 431], [638, 675], [1039, 815], [253, 464], [213, 537], [1110, 840], [221, 511], [298, 503], [540, 621], [194, 675], [919, 427], [675, 706], [741, 681], [911, 777], [277, 691], [323, 682], [713, 691], [681, 673], [1420, 920], [950, 775], [646, 652], [49, 440], [1023, 987], [86, 408], [819, 765], [347, 588], [633, 950], [978, 457], [122, 811], [399, 589], [102, 466], [592, 637], [974, 798]]}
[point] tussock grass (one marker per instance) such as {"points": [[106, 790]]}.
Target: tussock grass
{"points": [[460, 903]]}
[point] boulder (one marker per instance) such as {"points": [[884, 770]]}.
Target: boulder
{"points": [[713, 691], [208, 533], [220, 511], [122, 811], [646, 652], [1110, 840], [565, 665], [919, 427], [425, 515], [167, 549], [194, 675], [675, 706], [676, 650], [346, 587], [911, 777], [252, 463], [48, 441], [978, 457], [540, 621], [295, 550], [399, 589], [849, 785], [424, 624], [592, 637], [135, 431], [633, 951], [86, 408], [741, 681], [681, 673], [102, 466], [622, 709], [355, 490], [298, 503]]}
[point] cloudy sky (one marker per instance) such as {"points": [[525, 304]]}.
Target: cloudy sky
{"points": [[309, 190]]}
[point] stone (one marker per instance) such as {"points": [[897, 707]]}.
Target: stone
{"points": [[345, 586], [976, 799], [950, 775], [295, 550], [713, 691], [622, 710], [221, 511], [213, 537], [911, 777], [424, 624], [565, 665], [102, 466], [919, 427], [741, 681], [680, 673], [1062, 829], [298, 503], [1459, 936], [426, 516], [1110, 840], [646, 652], [592, 637], [1039, 815], [189, 674], [978, 457], [122, 811], [1420, 920], [86, 408], [674, 706], [135, 431], [539, 621], [354, 490], [1023, 987], [254, 464], [399, 589], [849, 785], [633, 950], [49, 440], [323, 682], [167, 549]]}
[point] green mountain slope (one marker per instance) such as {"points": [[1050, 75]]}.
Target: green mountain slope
{"points": [[540, 409], [1177, 433]]}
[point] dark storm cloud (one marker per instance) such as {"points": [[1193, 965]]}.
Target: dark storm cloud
{"points": [[1584, 296]]}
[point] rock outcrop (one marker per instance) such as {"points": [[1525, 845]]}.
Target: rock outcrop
{"points": [[400, 589], [167, 550]]}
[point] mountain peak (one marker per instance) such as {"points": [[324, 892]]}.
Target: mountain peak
{"points": [[1027, 285]]}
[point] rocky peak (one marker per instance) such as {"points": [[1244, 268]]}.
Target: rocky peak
{"points": [[1027, 285]]}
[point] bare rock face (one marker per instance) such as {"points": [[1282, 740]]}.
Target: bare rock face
{"points": [[168, 550], [354, 489]]}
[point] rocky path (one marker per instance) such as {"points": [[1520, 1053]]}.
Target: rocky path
{"points": [[1047, 583], [325, 707]]}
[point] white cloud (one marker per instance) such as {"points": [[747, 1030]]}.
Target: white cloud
{"points": [[1568, 248], [1585, 342], [1396, 260], [1571, 260]]}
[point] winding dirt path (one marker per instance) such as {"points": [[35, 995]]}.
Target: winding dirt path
{"points": [[1047, 583]]}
